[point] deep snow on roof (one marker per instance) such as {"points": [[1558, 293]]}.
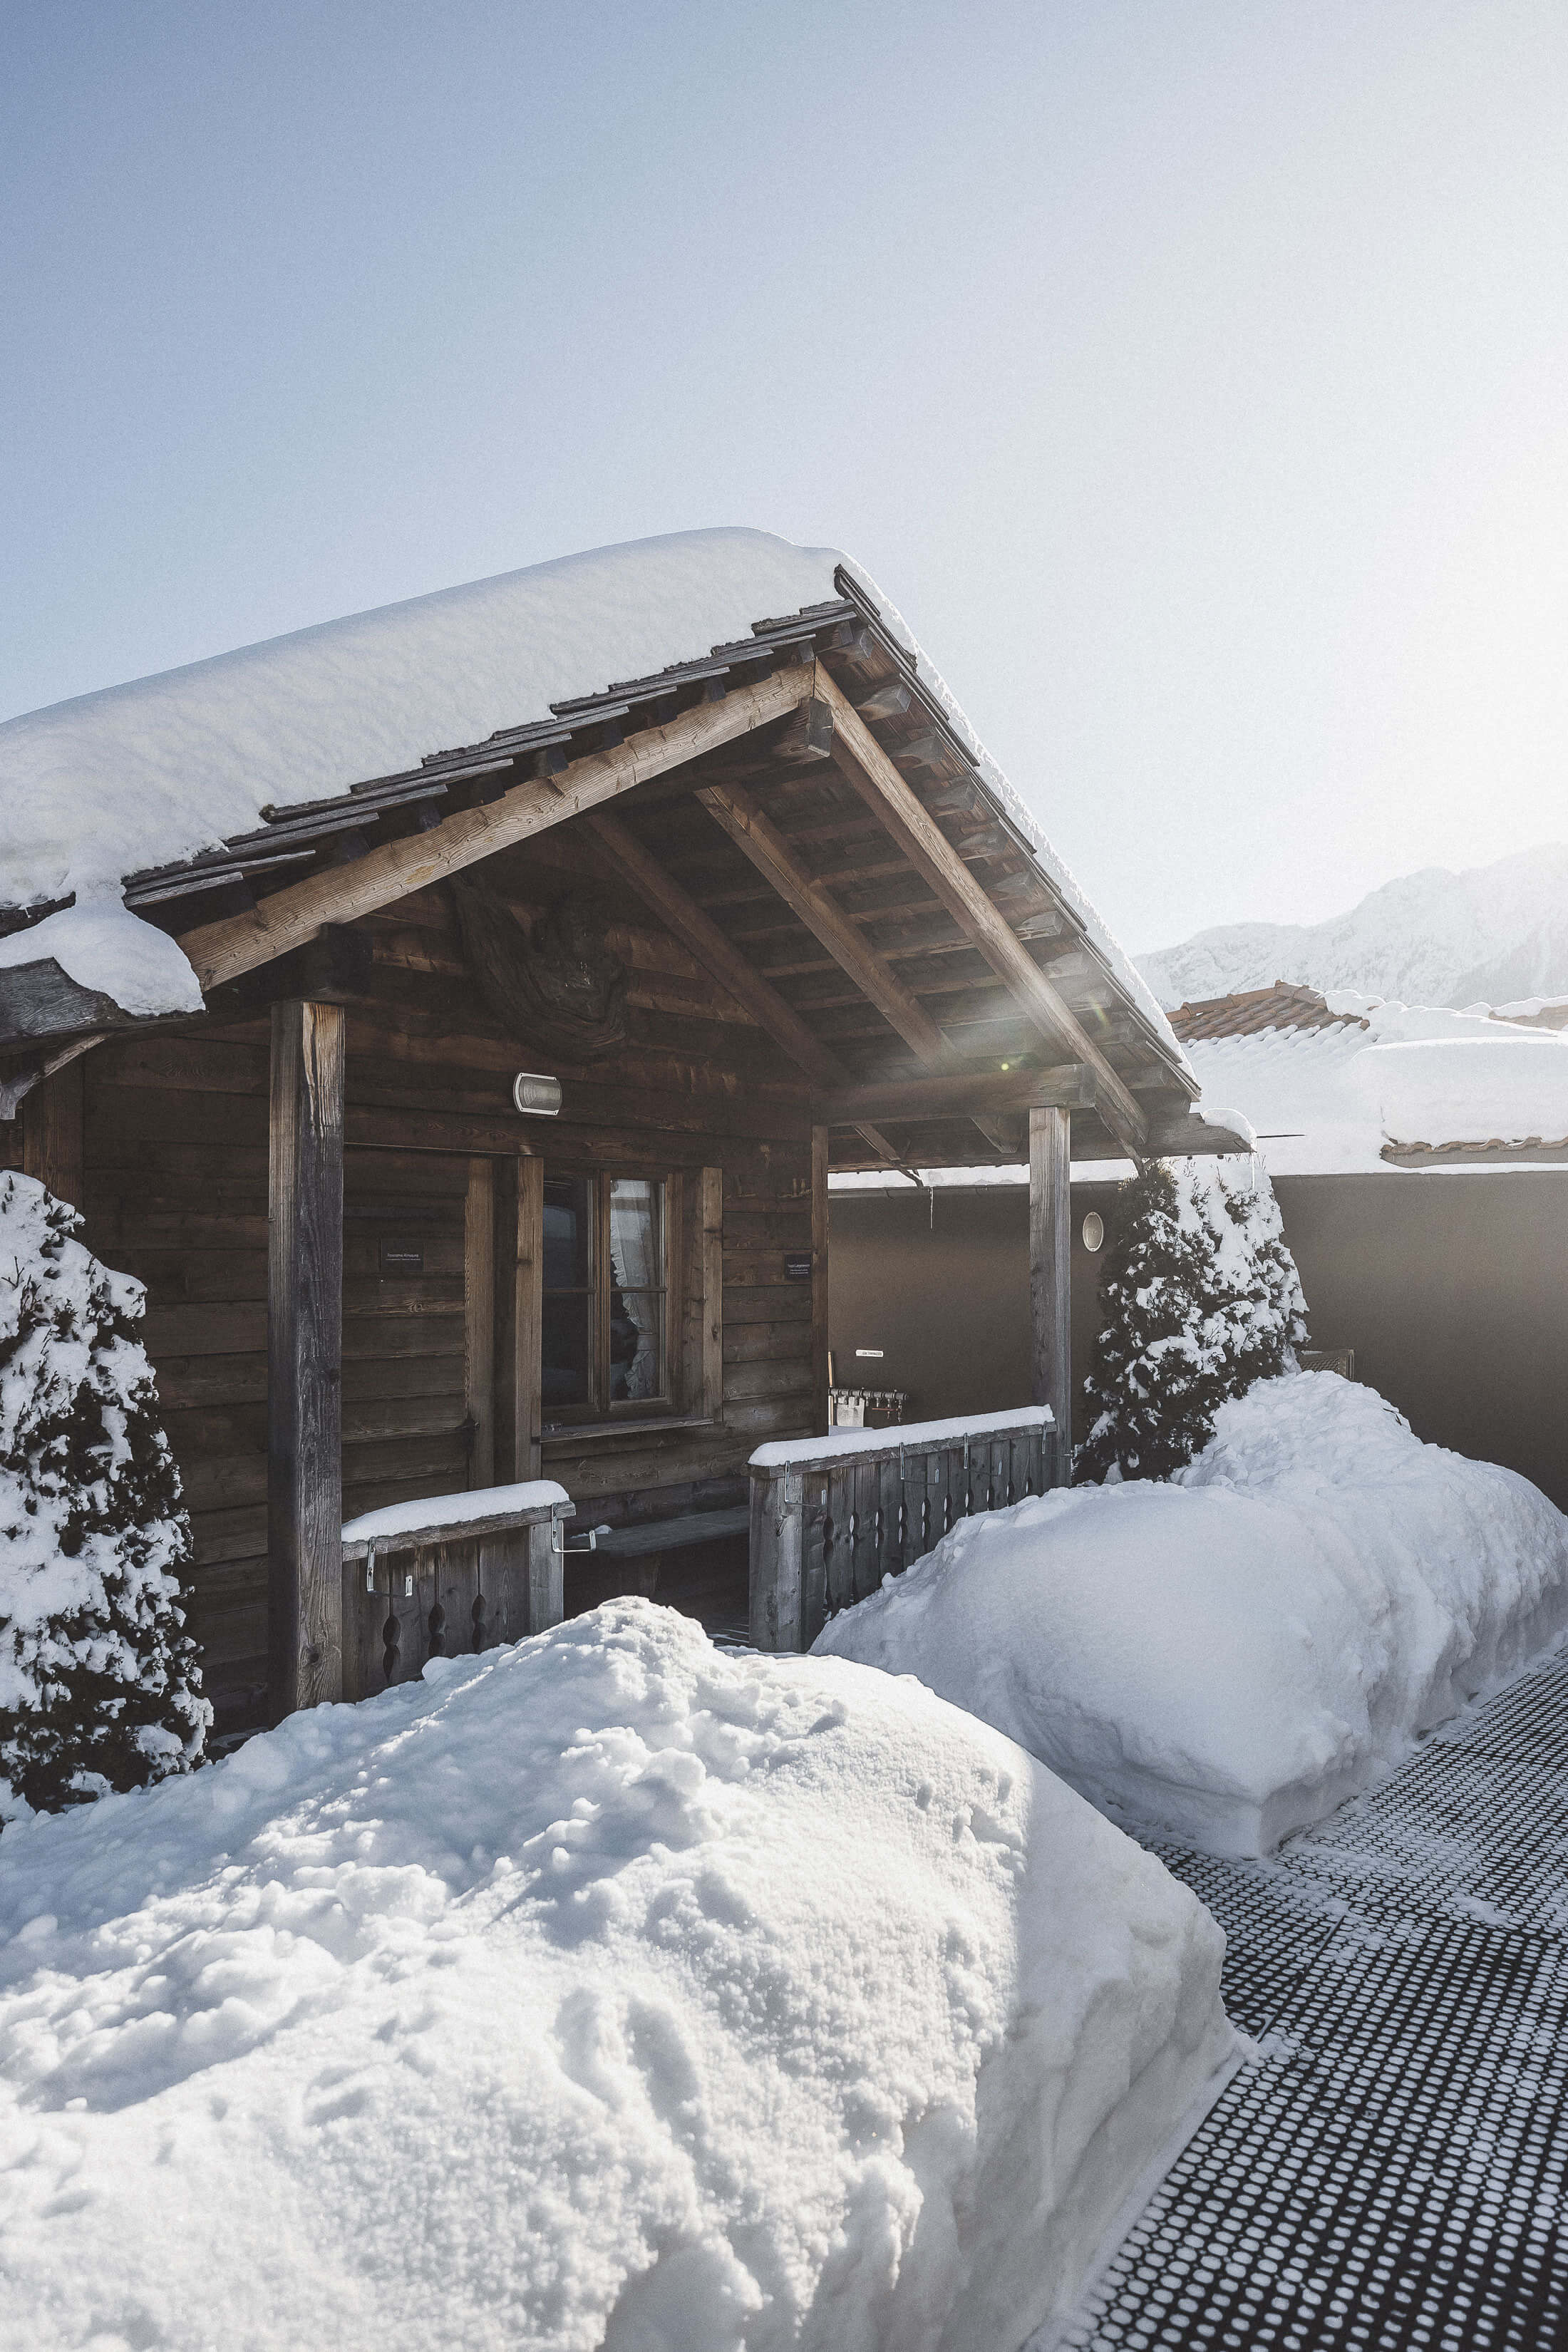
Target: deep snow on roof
{"points": [[143, 774], [1331, 1098], [159, 770]]}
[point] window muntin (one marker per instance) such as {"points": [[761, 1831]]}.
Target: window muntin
{"points": [[603, 1341]]}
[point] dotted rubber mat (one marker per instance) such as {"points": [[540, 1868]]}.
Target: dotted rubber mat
{"points": [[1393, 2171]]}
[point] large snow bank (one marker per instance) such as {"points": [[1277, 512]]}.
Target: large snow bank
{"points": [[141, 774], [601, 1990], [1227, 1657]]}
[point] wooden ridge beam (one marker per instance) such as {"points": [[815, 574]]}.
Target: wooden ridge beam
{"points": [[755, 834], [1070, 1085], [700, 935], [222, 950], [864, 764]]}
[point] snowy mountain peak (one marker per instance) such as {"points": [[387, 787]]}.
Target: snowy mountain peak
{"points": [[1490, 935]]}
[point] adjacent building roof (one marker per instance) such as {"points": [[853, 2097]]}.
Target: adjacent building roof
{"points": [[1248, 1014], [1345, 1084]]}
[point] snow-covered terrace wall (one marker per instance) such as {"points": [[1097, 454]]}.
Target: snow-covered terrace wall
{"points": [[833, 1516]]}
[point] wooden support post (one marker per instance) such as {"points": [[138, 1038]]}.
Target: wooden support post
{"points": [[1050, 1274], [546, 1575], [304, 1358], [777, 1522], [819, 1276], [520, 1315], [52, 1132], [480, 1319]]}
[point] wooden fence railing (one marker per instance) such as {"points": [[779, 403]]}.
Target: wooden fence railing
{"points": [[448, 1577], [832, 1516]]}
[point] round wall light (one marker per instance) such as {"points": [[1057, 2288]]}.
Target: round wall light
{"points": [[536, 1096], [1093, 1230]]}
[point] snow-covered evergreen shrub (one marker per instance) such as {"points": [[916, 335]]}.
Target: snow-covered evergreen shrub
{"points": [[100, 1685], [1199, 1298]]}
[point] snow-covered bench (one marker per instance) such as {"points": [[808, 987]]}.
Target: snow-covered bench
{"points": [[832, 1516], [447, 1573]]}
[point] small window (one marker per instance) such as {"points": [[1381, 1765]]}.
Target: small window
{"points": [[603, 1341]]}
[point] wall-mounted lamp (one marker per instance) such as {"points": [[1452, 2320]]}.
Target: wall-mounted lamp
{"points": [[1093, 1230], [536, 1096]]}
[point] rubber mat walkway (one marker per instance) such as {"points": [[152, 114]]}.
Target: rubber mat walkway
{"points": [[1392, 2174]]}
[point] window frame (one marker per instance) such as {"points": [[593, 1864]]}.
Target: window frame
{"points": [[600, 1408]]}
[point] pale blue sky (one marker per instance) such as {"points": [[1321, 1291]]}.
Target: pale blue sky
{"points": [[1194, 375]]}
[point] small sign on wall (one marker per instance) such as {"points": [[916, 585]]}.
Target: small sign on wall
{"points": [[400, 1258], [798, 1265]]}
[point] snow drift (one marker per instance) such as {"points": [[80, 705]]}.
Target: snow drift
{"points": [[1227, 1657], [601, 1990]]}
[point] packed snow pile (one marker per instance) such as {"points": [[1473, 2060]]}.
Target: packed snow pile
{"points": [[1199, 1298], [605, 1989], [1229, 1656], [99, 1682]]}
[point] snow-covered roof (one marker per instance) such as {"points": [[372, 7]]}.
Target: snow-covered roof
{"points": [[1363, 1085], [141, 775]]}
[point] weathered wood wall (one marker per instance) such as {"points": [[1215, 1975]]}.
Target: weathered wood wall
{"points": [[175, 1192]]}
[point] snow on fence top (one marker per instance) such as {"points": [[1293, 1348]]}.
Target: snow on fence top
{"points": [[453, 1510], [783, 1453], [148, 773]]}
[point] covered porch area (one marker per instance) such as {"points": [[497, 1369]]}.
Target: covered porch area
{"points": [[500, 1150]]}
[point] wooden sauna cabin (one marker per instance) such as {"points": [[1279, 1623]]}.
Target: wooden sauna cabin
{"points": [[457, 1042]]}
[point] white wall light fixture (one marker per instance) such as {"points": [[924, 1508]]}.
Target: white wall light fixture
{"points": [[536, 1096], [1093, 1230]]}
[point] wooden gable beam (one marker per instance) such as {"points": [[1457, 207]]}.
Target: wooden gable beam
{"points": [[864, 764], [700, 935], [1070, 1086], [222, 950], [755, 834]]}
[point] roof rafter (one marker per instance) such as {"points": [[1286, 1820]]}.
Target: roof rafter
{"points": [[701, 934], [863, 762], [758, 838]]}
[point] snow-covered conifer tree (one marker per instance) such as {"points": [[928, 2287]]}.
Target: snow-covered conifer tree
{"points": [[1199, 1298], [100, 1686]]}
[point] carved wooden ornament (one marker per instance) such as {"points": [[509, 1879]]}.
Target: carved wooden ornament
{"points": [[555, 982]]}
